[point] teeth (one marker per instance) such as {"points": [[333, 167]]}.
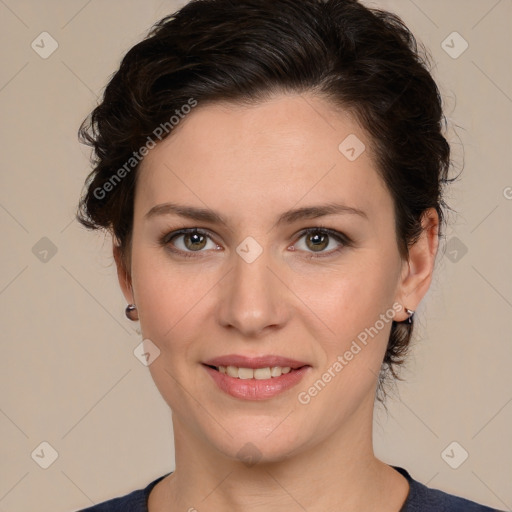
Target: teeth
{"points": [[257, 373], [232, 371], [276, 371], [245, 373], [262, 373]]}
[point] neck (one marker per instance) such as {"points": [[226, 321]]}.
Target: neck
{"points": [[206, 480]]}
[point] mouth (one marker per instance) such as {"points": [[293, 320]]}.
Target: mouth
{"points": [[256, 378]]}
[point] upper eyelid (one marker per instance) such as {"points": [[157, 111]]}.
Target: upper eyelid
{"points": [[186, 231]]}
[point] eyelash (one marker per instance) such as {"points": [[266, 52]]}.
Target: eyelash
{"points": [[166, 239]]}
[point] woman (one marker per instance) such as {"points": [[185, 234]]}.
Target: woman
{"points": [[272, 174]]}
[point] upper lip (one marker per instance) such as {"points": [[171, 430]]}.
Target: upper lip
{"points": [[254, 362]]}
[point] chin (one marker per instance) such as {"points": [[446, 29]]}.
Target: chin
{"points": [[259, 444]]}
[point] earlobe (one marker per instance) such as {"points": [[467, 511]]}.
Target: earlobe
{"points": [[418, 269], [123, 274]]}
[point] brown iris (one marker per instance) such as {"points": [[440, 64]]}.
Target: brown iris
{"points": [[319, 241], [197, 241]]}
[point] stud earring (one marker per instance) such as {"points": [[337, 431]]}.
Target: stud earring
{"points": [[410, 312], [131, 312]]}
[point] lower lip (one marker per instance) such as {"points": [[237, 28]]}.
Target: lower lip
{"points": [[254, 389]]}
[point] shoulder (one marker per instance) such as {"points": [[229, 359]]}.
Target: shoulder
{"points": [[424, 499], [136, 501]]}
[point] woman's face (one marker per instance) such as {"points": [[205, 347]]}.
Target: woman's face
{"points": [[256, 291]]}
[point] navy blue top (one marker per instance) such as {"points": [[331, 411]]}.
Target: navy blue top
{"points": [[419, 499]]}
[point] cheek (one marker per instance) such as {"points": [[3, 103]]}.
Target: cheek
{"points": [[357, 307], [171, 303], [350, 302], [168, 298], [351, 297]]}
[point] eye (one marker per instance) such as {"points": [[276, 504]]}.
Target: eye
{"points": [[187, 241], [317, 240]]}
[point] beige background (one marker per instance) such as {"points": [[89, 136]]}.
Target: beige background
{"points": [[67, 372]]}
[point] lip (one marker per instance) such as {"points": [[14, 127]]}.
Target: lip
{"points": [[256, 389], [254, 362]]}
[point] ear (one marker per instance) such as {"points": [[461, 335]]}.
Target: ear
{"points": [[417, 271], [123, 274]]}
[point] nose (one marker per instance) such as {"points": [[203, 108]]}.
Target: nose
{"points": [[253, 298]]}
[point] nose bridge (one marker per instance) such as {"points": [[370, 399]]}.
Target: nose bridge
{"points": [[253, 298]]}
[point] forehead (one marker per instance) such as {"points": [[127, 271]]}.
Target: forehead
{"points": [[290, 150]]}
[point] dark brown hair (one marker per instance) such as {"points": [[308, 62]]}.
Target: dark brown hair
{"points": [[363, 60]]}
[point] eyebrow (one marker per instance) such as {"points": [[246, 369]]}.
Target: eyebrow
{"points": [[288, 217]]}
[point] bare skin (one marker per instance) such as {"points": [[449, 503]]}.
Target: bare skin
{"points": [[250, 164]]}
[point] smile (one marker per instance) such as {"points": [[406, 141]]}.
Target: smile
{"points": [[259, 378]]}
